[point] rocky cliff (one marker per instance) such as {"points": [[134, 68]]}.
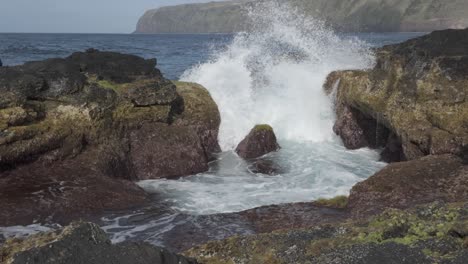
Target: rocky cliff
{"points": [[348, 16], [76, 132]]}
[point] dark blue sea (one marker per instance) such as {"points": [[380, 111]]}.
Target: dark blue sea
{"points": [[175, 53]]}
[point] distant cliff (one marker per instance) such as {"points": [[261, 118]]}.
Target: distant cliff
{"points": [[347, 16]]}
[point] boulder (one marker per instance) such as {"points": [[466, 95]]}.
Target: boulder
{"points": [[412, 103], [78, 130], [407, 184], [83, 242], [260, 141]]}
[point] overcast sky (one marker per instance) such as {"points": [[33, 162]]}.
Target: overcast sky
{"points": [[76, 16]]}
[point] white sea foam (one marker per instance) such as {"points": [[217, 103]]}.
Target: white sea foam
{"points": [[274, 74]]}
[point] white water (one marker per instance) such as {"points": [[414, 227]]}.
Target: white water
{"points": [[275, 75]]}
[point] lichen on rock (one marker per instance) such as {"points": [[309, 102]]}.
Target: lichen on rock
{"points": [[415, 94], [78, 123]]}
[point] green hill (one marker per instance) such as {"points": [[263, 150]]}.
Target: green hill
{"points": [[347, 16]]}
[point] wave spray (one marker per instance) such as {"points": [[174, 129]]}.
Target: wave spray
{"points": [[274, 74]]}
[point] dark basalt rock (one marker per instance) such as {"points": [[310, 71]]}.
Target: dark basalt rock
{"points": [[115, 67], [407, 184], [71, 134], [84, 243], [267, 167], [161, 151], [416, 92], [260, 141], [153, 94]]}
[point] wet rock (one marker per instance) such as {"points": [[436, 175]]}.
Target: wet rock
{"points": [[291, 216], [406, 184], [1, 63], [61, 192], [163, 151], [267, 167], [71, 134], [260, 141], [115, 67], [418, 235], [416, 91], [84, 243]]}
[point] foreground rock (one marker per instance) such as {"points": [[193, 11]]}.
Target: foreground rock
{"points": [[433, 233], [413, 103], [407, 184], [345, 16], [260, 141], [75, 132], [83, 243]]}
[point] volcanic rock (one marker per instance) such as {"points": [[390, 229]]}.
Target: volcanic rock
{"points": [[414, 98], [407, 184], [260, 141], [84, 243], [75, 132]]}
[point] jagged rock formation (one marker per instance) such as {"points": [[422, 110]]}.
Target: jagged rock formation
{"points": [[348, 16], [413, 102], [83, 243], [75, 133]]}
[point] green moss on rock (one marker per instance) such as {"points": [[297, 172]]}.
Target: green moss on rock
{"points": [[336, 202]]}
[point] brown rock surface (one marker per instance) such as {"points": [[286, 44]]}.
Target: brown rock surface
{"points": [[260, 141], [74, 132], [415, 97]]}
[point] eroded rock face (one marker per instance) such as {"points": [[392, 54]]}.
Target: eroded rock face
{"points": [[78, 130], [417, 91], [84, 243], [260, 141]]}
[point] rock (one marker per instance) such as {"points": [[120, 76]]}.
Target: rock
{"points": [[153, 93], [84, 243], [200, 113], [407, 184], [1, 63], [91, 122], [415, 97], [418, 235], [260, 141], [162, 151]]}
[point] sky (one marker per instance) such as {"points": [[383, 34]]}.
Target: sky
{"points": [[76, 16]]}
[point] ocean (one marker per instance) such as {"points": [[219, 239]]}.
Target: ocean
{"points": [[273, 75], [175, 53]]}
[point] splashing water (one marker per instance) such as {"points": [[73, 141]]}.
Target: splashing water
{"points": [[274, 74]]}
